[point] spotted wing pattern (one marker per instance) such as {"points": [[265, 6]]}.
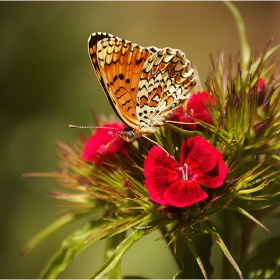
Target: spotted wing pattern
{"points": [[143, 85], [165, 84], [118, 65]]}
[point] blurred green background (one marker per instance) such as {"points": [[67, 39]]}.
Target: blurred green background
{"points": [[47, 82]]}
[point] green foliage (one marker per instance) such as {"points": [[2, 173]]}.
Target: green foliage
{"points": [[116, 256], [72, 246], [195, 258], [259, 267]]}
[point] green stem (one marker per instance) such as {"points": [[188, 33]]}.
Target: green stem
{"points": [[112, 243], [164, 231], [120, 250], [245, 48], [230, 233], [227, 271]]}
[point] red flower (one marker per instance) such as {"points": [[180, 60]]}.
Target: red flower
{"points": [[196, 108], [178, 184], [262, 93], [259, 90], [261, 84], [97, 149]]}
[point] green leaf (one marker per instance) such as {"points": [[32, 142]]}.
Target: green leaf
{"points": [[194, 252], [112, 244], [212, 230], [132, 222], [116, 256], [257, 203], [73, 245], [187, 133], [53, 227], [264, 260], [261, 61], [246, 214], [245, 48]]}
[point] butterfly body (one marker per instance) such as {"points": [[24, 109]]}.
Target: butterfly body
{"points": [[143, 85]]}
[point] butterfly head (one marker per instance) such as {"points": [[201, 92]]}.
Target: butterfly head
{"points": [[129, 134]]}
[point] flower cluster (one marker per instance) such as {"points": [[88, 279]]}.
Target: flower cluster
{"points": [[167, 181]]}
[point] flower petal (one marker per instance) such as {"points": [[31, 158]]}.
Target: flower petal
{"points": [[179, 115], [184, 193], [160, 173], [215, 177], [198, 150], [97, 149], [205, 163], [197, 108]]}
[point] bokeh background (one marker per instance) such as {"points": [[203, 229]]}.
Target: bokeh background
{"points": [[47, 82]]}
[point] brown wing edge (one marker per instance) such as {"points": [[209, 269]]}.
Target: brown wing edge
{"points": [[94, 38]]}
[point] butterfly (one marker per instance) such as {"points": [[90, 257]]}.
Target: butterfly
{"points": [[144, 85]]}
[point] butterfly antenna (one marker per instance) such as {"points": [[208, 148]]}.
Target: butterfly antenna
{"points": [[103, 127], [91, 126]]}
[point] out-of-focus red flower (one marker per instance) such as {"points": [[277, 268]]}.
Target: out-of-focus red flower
{"points": [[261, 91], [176, 184], [100, 147], [261, 83], [195, 108]]}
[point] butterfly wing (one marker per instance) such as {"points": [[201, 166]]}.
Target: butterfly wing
{"points": [[118, 65], [164, 85]]}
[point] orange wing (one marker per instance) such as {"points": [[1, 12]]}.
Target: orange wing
{"points": [[118, 65]]}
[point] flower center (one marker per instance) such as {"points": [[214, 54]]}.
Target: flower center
{"points": [[184, 169]]}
